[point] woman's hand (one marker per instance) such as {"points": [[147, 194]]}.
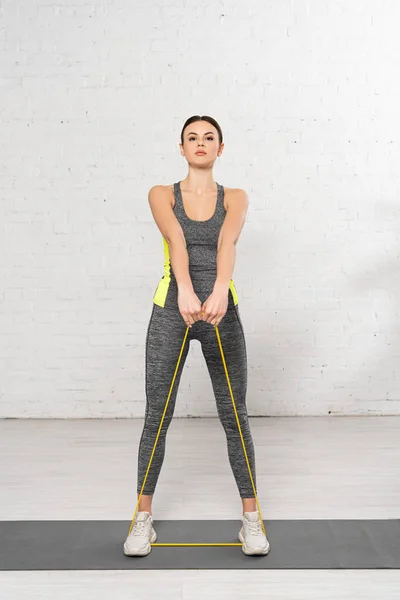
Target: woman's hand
{"points": [[189, 305], [215, 307]]}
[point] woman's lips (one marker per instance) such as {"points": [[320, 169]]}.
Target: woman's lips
{"points": [[201, 152]]}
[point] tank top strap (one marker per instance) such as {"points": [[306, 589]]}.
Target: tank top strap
{"points": [[220, 208], [178, 205]]}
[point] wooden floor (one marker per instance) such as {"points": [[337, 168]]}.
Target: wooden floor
{"points": [[307, 467]]}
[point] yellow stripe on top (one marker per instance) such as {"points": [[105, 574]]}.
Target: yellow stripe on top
{"points": [[162, 288], [160, 295], [234, 293]]}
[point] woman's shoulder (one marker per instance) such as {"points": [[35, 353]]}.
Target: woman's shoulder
{"points": [[237, 195], [168, 187], [168, 190], [232, 194]]}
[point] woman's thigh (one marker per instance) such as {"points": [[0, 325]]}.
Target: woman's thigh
{"points": [[234, 350], [165, 335]]}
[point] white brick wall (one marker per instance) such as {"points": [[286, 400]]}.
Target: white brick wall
{"points": [[93, 98]]}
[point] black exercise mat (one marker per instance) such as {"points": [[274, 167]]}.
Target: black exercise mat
{"points": [[295, 544]]}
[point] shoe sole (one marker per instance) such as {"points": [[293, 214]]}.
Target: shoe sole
{"points": [[142, 551], [254, 551]]}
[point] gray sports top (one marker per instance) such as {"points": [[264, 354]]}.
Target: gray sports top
{"points": [[201, 242]]}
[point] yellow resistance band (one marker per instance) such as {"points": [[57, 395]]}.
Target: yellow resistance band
{"points": [[158, 434]]}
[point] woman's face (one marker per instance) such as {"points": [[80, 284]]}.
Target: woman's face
{"points": [[201, 136]]}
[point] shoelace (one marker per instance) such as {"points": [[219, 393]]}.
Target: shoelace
{"points": [[140, 528], [254, 527]]}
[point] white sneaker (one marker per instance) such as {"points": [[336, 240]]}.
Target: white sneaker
{"points": [[142, 535], [252, 536]]}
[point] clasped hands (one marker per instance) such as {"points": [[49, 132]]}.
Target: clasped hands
{"points": [[212, 310], [215, 307]]}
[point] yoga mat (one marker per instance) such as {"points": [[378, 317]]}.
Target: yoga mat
{"points": [[295, 544]]}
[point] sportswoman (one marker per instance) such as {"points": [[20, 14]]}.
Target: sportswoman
{"points": [[200, 221]]}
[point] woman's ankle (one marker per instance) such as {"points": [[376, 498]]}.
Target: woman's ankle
{"points": [[145, 504], [249, 505]]}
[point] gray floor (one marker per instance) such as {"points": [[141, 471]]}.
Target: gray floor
{"points": [[307, 468]]}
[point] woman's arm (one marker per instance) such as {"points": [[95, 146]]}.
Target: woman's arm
{"points": [[230, 231], [168, 224]]}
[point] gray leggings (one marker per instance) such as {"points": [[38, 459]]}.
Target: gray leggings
{"points": [[164, 339]]}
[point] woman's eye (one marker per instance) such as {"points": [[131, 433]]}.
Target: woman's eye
{"points": [[208, 137]]}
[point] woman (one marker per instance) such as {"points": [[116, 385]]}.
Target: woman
{"points": [[200, 222]]}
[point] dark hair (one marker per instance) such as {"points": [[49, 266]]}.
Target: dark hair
{"points": [[210, 120]]}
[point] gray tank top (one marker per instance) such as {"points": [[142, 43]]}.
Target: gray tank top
{"points": [[201, 242]]}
